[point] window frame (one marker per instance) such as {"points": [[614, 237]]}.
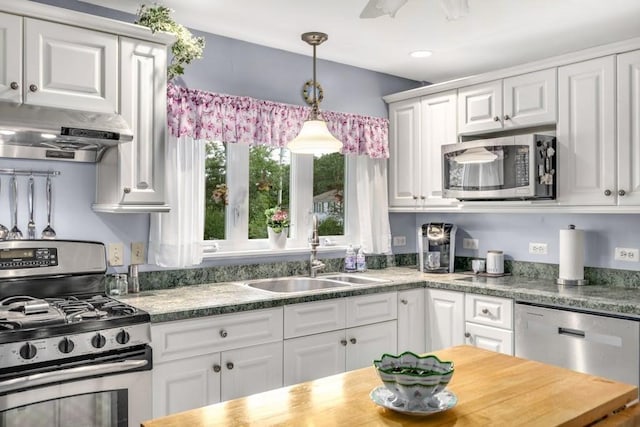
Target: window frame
{"points": [[237, 242]]}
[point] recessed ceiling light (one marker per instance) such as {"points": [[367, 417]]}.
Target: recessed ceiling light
{"points": [[421, 54], [48, 136]]}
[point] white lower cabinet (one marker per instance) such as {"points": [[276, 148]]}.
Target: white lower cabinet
{"points": [[203, 361], [445, 319], [412, 321], [328, 337], [489, 338]]}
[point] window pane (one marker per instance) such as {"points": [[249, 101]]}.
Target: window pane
{"points": [[215, 190], [269, 169], [328, 193]]}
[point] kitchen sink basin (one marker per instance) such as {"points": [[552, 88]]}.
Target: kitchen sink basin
{"points": [[295, 284], [358, 280]]}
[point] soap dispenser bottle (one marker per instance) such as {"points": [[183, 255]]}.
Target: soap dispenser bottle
{"points": [[361, 261], [350, 260]]}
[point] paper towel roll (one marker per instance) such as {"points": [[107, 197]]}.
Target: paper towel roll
{"points": [[571, 254]]}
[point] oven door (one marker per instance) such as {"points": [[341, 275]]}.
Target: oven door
{"points": [[112, 394]]}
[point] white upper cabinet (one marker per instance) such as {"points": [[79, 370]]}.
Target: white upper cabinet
{"points": [[418, 128], [10, 58], [629, 128], [519, 101], [586, 134], [130, 177], [70, 67]]}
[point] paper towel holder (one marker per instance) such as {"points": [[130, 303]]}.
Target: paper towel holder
{"points": [[572, 282]]}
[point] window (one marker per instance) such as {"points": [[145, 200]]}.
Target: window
{"points": [[243, 181]]}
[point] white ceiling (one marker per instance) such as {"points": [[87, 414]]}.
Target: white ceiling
{"points": [[495, 34]]}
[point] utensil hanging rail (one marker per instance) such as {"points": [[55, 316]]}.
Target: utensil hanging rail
{"points": [[9, 171]]}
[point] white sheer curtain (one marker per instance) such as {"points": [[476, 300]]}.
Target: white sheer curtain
{"points": [[373, 212], [175, 237]]}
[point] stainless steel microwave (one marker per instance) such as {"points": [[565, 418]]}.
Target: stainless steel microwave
{"points": [[519, 167]]}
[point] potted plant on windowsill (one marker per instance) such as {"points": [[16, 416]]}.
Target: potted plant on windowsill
{"points": [[277, 227]]}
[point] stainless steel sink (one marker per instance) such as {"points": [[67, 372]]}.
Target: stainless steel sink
{"points": [[295, 284], [358, 280]]}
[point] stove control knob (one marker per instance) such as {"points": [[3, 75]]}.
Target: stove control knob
{"points": [[28, 351], [98, 341], [66, 345], [123, 337]]}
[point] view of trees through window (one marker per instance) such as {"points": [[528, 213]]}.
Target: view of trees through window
{"points": [[268, 187]]}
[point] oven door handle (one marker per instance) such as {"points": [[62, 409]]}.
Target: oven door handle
{"points": [[70, 374]]}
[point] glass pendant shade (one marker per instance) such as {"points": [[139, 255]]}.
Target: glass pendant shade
{"points": [[314, 138]]}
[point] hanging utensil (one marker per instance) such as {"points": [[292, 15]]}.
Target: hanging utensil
{"points": [[31, 225], [4, 231], [48, 232], [15, 233]]}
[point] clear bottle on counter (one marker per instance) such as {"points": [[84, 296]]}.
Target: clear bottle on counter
{"points": [[361, 261], [350, 260]]}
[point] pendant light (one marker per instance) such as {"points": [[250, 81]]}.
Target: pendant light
{"points": [[314, 137]]}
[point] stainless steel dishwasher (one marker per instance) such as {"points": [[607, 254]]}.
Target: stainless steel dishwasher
{"points": [[595, 343]]}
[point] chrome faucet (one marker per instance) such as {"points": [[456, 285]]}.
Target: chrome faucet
{"points": [[314, 263]]}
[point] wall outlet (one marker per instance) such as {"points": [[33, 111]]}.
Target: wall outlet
{"points": [[538, 248], [399, 240], [626, 254], [116, 254], [137, 253], [470, 243]]}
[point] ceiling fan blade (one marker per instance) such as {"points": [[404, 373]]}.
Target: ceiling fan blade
{"points": [[377, 8]]}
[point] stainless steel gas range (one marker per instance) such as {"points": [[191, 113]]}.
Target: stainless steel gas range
{"points": [[69, 354]]}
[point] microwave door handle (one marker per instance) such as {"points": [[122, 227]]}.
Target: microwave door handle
{"points": [[69, 374]]}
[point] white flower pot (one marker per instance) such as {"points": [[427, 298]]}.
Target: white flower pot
{"points": [[277, 240]]}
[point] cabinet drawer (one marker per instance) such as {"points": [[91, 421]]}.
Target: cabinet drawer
{"points": [[366, 309], [187, 338], [491, 311], [489, 338], [314, 317]]}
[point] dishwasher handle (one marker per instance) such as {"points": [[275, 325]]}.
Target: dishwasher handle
{"points": [[571, 332]]}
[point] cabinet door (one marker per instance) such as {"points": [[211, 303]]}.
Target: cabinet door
{"points": [[314, 356], [10, 58], [586, 133], [445, 319], [251, 370], [70, 67], [404, 156], [185, 384], [411, 321], [629, 128], [480, 107], [368, 343], [489, 338], [438, 128], [530, 99]]}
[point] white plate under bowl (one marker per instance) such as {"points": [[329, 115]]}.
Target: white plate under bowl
{"points": [[444, 400]]}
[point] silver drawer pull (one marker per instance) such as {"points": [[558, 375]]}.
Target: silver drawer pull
{"points": [[571, 332], [216, 368], [223, 333], [485, 311]]}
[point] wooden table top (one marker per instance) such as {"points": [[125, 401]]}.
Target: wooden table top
{"points": [[492, 389]]}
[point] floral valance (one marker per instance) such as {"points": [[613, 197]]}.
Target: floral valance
{"points": [[212, 116]]}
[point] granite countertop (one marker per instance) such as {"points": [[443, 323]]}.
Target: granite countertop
{"points": [[193, 301]]}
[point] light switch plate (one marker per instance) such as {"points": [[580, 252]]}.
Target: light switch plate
{"points": [[116, 254], [470, 243], [399, 240], [137, 253]]}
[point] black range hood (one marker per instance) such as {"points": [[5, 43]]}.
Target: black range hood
{"points": [[46, 133]]}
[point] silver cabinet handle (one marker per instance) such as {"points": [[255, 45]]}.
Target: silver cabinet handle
{"points": [[607, 193], [126, 190], [353, 340], [467, 335], [506, 117], [423, 197], [404, 301], [415, 197], [621, 193], [216, 368], [485, 311], [14, 85], [223, 333], [496, 119], [229, 365], [33, 88], [343, 342]]}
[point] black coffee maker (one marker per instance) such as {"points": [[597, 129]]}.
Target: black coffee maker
{"points": [[436, 247]]}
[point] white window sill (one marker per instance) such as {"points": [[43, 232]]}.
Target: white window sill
{"points": [[326, 251]]}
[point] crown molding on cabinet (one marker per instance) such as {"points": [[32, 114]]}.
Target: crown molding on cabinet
{"points": [[82, 20], [555, 61]]}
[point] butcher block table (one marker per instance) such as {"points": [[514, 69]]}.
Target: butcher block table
{"points": [[493, 389]]}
